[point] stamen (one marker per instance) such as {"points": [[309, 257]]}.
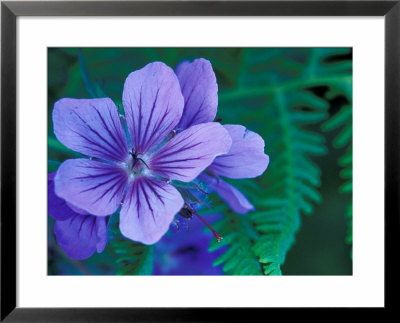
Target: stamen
{"points": [[216, 235], [144, 163], [135, 156]]}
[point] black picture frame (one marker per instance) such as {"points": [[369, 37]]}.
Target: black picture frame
{"points": [[10, 10]]}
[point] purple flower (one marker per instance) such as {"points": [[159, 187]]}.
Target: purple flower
{"points": [[135, 171], [77, 233], [187, 253], [246, 157]]}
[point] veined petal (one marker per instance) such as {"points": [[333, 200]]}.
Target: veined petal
{"points": [[153, 104], [56, 207], [81, 235], [200, 91], [186, 155], [148, 209], [93, 186], [246, 158], [230, 194], [91, 127]]}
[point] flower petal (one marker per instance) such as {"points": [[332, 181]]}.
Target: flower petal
{"points": [[148, 209], [93, 186], [81, 235], [153, 104], [200, 91], [57, 207], [230, 194], [91, 127], [246, 158], [186, 155]]}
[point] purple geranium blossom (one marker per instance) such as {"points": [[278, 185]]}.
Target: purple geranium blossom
{"points": [[78, 233], [246, 158], [187, 253], [134, 172]]}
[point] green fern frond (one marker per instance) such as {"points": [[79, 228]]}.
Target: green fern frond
{"points": [[346, 161], [276, 85], [239, 235], [343, 120]]}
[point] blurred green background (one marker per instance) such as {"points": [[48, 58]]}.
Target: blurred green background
{"points": [[298, 99]]}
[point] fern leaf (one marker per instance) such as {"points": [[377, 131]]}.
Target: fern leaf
{"points": [[275, 85], [239, 235], [343, 120]]}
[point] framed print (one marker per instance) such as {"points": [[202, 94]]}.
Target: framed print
{"points": [[195, 157]]}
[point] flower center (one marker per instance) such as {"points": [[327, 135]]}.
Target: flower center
{"points": [[137, 163]]}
